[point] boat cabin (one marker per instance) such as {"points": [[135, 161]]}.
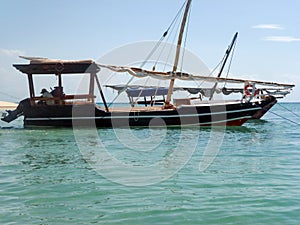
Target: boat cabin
{"points": [[42, 67]]}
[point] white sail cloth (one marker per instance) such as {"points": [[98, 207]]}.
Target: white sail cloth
{"points": [[140, 73]]}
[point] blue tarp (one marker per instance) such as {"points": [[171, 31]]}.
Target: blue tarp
{"points": [[144, 92]]}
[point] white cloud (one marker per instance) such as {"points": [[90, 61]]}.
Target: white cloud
{"points": [[281, 38], [268, 26], [11, 52]]}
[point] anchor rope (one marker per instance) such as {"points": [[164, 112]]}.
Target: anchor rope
{"points": [[285, 118], [288, 110]]}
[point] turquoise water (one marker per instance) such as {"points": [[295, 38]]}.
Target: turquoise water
{"points": [[50, 177]]}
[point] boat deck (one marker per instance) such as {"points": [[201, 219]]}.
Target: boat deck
{"points": [[160, 108], [136, 109]]}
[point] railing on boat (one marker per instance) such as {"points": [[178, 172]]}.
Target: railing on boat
{"points": [[66, 99]]}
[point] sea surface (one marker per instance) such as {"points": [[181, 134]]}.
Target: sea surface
{"points": [[238, 175]]}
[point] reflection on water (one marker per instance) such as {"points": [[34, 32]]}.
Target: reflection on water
{"points": [[254, 179]]}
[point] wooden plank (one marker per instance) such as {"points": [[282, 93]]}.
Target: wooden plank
{"points": [[31, 87], [66, 97], [58, 68], [92, 85]]}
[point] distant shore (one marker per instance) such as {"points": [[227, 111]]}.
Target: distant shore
{"points": [[7, 105]]}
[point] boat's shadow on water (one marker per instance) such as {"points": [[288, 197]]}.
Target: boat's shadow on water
{"points": [[252, 126], [249, 127], [258, 122], [7, 128], [17, 124], [11, 128], [244, 128]]}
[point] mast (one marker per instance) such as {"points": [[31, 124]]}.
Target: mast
{"points": [[178, 49], [224, 63]]}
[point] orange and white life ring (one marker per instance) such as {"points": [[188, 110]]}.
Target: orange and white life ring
{"points": [[248, 90]]}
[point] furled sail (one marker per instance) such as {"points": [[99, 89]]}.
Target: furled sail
{"points": [[140, 73]]}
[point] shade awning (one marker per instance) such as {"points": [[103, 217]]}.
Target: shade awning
{"points": [[144, 92], [47, 66]]}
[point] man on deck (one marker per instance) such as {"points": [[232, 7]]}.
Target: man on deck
{"points": [[47, 94]]}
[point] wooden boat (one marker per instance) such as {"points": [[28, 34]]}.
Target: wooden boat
{"points": [[67, 110]]}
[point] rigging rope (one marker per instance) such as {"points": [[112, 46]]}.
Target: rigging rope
{"points": [[219, 64], [288, 110], [170, 50], [152, 51], [210, 74], [165, 43], [163, 36], [285, 118], [121, 91], [8, 95]]}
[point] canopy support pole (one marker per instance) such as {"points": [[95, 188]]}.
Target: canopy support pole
{"points": [[31, 88], [101, 93]]}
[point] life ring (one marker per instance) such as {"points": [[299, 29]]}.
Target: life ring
{"points": [[248, 92]]}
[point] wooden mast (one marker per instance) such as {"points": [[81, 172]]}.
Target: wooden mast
{"points": [[183, 24]]}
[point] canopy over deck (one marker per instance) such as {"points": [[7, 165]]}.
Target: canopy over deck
{"points": [[137, 92], [44, 66], [48, 66]]}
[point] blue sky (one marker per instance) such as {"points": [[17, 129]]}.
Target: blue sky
{"points": [[268, 46]]}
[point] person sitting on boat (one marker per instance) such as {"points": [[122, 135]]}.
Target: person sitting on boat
{"points": [[47, 94], [58, 93]]}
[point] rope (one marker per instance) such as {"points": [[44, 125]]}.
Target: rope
{"points": [[121, 91], [285, 118], [170, 50], [288, 110], [140, 93], [8, 95], [152, 51], [211, 73], [199, 84], [165, 43], [163, 36], [177, 15]]}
